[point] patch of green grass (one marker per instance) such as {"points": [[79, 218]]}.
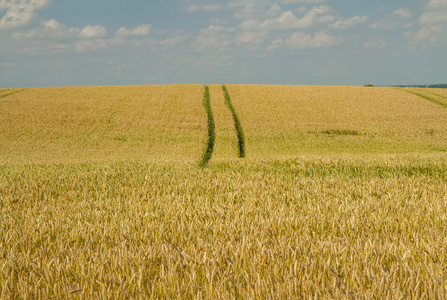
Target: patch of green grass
{"points": [[341, 132], [430, 132]]}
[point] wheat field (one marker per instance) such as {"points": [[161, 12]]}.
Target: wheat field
{"points": [[69, 124], [442, 93], [341, 195], [320, 119], [438, 96]]}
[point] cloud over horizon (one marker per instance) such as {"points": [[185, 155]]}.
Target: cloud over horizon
{"points": [[209, 31], [19, 12], [433, 24]]}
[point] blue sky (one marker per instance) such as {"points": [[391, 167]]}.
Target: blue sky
{"points": [[317, 42]]}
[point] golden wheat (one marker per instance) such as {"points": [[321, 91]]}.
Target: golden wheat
{"points": [[438, 96], [294, 119], [329, 227], [90, 123], [440, 92], [101, 196]]}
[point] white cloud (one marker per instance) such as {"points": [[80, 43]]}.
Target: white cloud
{"points": [[13, 19], [437, 4], [48, 29], [254, 9], [403, 13], [433, 24], [302, 1], [55, 30], [215, 37], [400, 18], [377, 43], [316, 15], [301, 9], [89, 45], [424, 35], [300, 40], [436, 13], [53, 25], [218, 21], [60, 38], [19, 12], [275, 44], [20, 4], [204, 7], [251, 37], [288, 20], [95, 44], [351, 22], [433, 17], [142, 30], [90, 32], [173, 41], [8, 65]]}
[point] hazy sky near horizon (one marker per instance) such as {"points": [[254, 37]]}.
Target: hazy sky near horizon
{"points": [[317, 42]]}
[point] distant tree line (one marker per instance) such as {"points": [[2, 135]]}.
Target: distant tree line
{"points": [[439, 85]]}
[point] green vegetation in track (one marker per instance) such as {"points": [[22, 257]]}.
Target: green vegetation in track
{"points": [[437, 94], [341, 132], [5, 93], [441, 100], [237, 123], [225, 146], [211, 129]]}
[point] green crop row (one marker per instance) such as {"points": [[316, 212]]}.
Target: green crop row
{"points": [[237, 123], [429, 98], [11, 93], [211, 126]]}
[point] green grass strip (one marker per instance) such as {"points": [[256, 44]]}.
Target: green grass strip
{"points": [[437, 101], [11, 93], [440, 96], [237, 123], [211, 129]]}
